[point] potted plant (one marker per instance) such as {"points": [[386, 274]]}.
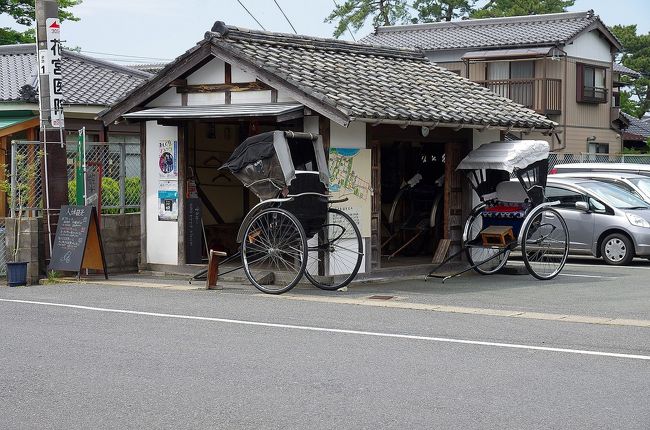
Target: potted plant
{"points": [[24, 175]]}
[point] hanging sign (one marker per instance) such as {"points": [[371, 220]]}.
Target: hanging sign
{"points": [[78, 242], [53, 69]]}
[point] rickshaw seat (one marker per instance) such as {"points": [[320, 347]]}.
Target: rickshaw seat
{"points": [[511, 191], [509, 208]]}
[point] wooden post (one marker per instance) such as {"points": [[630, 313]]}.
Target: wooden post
{"points": [[213, 269]]}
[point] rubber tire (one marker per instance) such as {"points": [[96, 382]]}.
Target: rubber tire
{"points": [[352, 275], [628, 245], [468, 252], [303, 237], [525, 255]]}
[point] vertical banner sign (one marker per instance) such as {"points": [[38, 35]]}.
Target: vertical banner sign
{"points": [[81, 163], [53, 69], [167, 180]]}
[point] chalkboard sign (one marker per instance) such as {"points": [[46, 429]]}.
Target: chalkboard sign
{"points": [[194, 231], [78, 242]]}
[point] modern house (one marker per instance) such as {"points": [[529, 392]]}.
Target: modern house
{"points": [[560, 65], [390, 106]]}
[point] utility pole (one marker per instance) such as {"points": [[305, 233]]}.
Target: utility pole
{"points": [[52, 132]]}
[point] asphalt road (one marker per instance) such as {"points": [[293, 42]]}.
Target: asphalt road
{"points": [[126, 357]]}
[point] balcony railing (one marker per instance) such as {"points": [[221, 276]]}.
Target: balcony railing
{"points": [[543, 95]]}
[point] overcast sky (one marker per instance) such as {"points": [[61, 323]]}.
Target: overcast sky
{"points": [[161, 30]]}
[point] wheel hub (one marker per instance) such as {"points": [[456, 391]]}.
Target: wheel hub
{"points": [[615, 250]]}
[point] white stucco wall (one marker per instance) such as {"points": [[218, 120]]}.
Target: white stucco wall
{"points": [[162, 236], [589, 46], [238, 75], [211, 73], [239, 97], [204, 99], [354, 136], [168, 98]]}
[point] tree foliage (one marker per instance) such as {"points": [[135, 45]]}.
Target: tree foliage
{"points": [[353, 14], [442, 10], [24, 13], [635, 99], [498, 8]]}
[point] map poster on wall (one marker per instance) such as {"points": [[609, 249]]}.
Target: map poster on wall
{"points": [[350, 175], [168, 180]]}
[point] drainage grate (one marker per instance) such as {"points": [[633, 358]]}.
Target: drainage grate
{"points": [[381, 297]]}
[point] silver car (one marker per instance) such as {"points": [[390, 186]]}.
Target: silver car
{"points": [[603, 220], [636, 184]]}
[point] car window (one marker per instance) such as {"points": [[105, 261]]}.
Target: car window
{"points": [[567, 198], [614, 196], [643, 184], [596, 206], [622, 185]]}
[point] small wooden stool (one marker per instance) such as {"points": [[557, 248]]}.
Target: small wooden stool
{"points": [[213, 269], [497, 235]]}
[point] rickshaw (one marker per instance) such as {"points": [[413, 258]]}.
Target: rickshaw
{"points": [[519, 205], [292, 231]]}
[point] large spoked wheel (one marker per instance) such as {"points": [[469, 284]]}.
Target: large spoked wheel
{"points": [[274, 251], [485, 261], [339, 252], [545, 244]]}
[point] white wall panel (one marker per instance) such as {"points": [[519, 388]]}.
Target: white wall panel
{"points": [[168, 98], [212, 73], [162, 236]]}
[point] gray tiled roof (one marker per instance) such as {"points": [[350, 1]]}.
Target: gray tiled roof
{"points": [[368, 82], [624, 70], [87, 81], [637, 127], [517, 31]]}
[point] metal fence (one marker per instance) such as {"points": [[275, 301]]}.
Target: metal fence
{"points": [[26, 180], [117, 163], [563, 158]]}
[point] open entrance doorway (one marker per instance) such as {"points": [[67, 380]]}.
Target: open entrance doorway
{"points": [[412, 201], [216, 202]]}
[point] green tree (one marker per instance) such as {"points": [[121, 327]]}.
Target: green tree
{"points": [[497, 8], [442, 10], [635, 99], [24, 13], [353, 14]]}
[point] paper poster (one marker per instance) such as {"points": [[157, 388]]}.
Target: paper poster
{"points": [[350, 177], [168, 180]]}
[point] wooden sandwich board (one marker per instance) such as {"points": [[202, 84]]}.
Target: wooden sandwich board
{"points": [[78, 241]]}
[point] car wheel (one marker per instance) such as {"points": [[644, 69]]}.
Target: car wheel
{"points": [[617, 249]]}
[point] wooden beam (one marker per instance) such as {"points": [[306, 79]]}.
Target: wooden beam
{"points": [[215, 88], [230, 55]]}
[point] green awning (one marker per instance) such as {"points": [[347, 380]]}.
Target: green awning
{"points": [[8, 121]]}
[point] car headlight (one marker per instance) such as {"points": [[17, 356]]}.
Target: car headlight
{"points": [[637, 220]]}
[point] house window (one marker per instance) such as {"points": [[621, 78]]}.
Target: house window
{"points": [[590, 82], [598, 148]]}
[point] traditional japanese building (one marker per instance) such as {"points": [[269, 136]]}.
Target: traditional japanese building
{"points": [[401, 114]]}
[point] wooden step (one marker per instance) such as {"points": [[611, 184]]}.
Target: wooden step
{"points": [[497, 235]]}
